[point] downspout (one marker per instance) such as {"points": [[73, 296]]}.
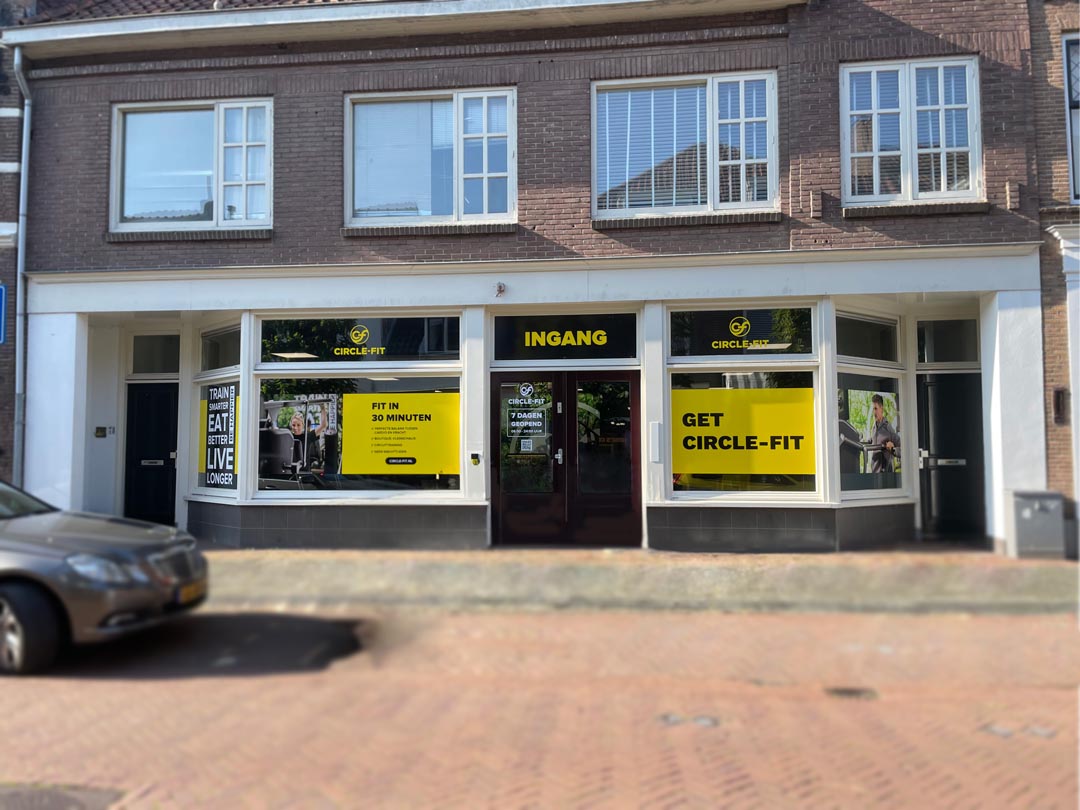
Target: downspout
{"points": [[20, 280]]}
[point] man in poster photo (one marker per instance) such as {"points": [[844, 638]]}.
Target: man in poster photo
{"points": [[883, 460]]}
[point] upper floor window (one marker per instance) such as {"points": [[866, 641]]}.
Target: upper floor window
{"points": [[1072, 97], [910, 131], [688, 145], [192, 165], [432, 157]]}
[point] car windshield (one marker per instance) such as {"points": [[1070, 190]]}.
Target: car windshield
{"points": [[15, 503]]}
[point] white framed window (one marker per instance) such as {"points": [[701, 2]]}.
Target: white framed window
{"points": [[431, 157], [192, 165], [910, 131], [686, 145], [1071, 49]]}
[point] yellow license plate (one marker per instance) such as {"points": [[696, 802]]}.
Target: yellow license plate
{"points": [[191, 592]]}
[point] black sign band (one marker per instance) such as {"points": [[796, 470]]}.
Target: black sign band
{"points": [[565, 337]]}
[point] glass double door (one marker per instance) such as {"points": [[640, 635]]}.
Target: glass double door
{"points": [[567, 464]]}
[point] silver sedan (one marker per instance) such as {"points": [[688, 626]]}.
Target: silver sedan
{"points": [[76, 577]]}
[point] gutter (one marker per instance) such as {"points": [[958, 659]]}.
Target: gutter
{"points": [[20, 279]]}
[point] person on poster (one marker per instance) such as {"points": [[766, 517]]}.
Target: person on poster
{"points": [[306, 442], [883, 460]]}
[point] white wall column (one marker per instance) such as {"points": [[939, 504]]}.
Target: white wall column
{"points": [[1014, 427], [474, 395], [656, 436], [57, 354], [1069, 236], [103, 491]]}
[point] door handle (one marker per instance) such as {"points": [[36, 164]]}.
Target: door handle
{"points": [[950, 462], [558, 455], [153, 462]]}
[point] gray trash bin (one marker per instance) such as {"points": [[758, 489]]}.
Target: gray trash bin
{"points": [[1035, 524]]}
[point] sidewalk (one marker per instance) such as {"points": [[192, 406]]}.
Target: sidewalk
{"points": [[885, 582]]}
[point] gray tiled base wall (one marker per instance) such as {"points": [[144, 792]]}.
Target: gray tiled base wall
{"points": [[386, 527], [719, 529]]}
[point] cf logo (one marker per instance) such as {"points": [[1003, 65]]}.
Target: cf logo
{"points": [[359, 334], [739, 326], [525, 389]]}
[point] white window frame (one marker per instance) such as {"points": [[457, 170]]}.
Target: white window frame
{"points": [[869, 362], [219, 222], [1072, 121], [458, 216], [772, 203], [909, 162]]}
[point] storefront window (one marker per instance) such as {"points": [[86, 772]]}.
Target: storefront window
{"points": [[751, 332], [360, 340], [866, 338], [869, 432], [220, 349], [219, 406], [748, 431], [364, 433], [948, 341]]}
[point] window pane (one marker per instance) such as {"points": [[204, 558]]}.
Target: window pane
{"points": [[948, 341], [754, 105], [860, 93], [496, 155], [957, 171], [256, 124], [888, 90], [929, 129], [869, 432], [766, 443], [862, 133], [956, 128], [168, 166], [926, 87], [256, 163], [651, 148], [156, 354], [862, 175], [757, 141], [359, 434], [474, 196], [256, 202], [234, 202], [220, 350], [604, 454], [234, 125], [729, 140], [889, 175], [474, 156], [730, 182], [930, 172], [1073, 50], [234, 164], [218, 417], [497, 197], [956, 84], [404, 158], [889, 133], [474, 116], [873, 340], [745, 332], [757, 182], [355, 340], [727, 101], [496, 110]]}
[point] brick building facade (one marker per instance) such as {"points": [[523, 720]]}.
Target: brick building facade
{"points": [[899, 262]]}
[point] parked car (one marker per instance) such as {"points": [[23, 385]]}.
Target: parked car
{"points": [[78, 577]]}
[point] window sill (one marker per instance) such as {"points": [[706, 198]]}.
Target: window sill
{"points": [[685, 220], [189, 236], [441, 229], [915, 209]]}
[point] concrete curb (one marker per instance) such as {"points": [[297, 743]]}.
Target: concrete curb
{"points": [[733, 584]]}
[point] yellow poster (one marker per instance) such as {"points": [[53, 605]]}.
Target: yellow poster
{"points": [[743, 431], [401, 434]]}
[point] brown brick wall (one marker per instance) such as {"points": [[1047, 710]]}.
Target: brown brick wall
{"points": [[69, 204]]}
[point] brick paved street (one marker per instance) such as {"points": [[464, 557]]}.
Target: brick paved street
{"points": [[561, 710]]}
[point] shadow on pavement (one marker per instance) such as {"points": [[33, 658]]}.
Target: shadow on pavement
{"points": [[223, 645]]}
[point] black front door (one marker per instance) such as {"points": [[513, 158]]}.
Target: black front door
{"points": [[150, 461], [567, 464], [951, 454]]}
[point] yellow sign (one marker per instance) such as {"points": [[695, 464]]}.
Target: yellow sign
{"points": [[739, 326], [743, 431], [401, 434]]}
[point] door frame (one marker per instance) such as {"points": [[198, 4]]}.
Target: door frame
{"points": [[569, 374]]}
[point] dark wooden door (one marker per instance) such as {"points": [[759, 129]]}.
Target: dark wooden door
{"points": [[150, 459], [951, 482], [566, 466]]}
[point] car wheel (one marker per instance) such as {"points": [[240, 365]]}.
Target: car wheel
{"points": [[29, 629]]}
